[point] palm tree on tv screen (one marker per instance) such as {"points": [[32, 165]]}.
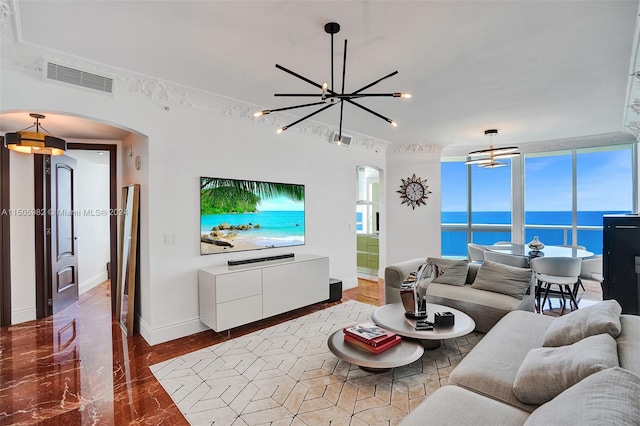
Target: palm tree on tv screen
{"points": [[230, 195]]}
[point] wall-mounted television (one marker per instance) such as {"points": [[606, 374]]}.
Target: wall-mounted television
{"points": [[239, 215]]}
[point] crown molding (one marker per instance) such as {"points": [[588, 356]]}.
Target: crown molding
{"points": [[417, 148], [29, 59], [5, 19]]}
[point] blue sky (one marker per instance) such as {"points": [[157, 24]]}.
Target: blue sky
{"points": [[280, 204], [604, 184]]}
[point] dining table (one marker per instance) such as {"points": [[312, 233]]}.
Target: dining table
{"points": [[546, 251]]}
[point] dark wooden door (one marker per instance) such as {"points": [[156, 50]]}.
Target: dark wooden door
{"points": [[64, 262]]}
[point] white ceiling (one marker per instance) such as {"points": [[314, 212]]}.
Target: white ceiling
{"points": [[535, 70]]}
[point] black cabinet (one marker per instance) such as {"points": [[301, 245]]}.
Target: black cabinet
{"points": [[621, 261]]}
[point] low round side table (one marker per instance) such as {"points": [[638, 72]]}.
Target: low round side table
{"points": [[404, 353], [392, 318]]}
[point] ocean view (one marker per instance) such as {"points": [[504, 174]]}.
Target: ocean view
{"points": [[455, 243], [279, 228]]}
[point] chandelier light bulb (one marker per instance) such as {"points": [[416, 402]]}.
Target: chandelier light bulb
{"points": [[258, 114], [325, 86], [280, 130], [394, 124]]}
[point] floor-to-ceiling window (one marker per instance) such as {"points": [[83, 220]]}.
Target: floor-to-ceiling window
{"points": [[565, 194], [490, 203], [547, 197], [604, 186], [454, 207], [487, 192]]}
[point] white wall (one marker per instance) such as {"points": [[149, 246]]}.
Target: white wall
{"points": [[92, 229], [411, 232], [22, 228], [184, 143]]}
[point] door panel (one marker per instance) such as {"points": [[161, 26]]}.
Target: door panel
{"points": [[64, 263]]}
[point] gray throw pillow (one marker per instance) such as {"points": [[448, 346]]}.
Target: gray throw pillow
{"points": [[450, 271], [602, 317], [606, 398], [546, 372], [504, 279]]}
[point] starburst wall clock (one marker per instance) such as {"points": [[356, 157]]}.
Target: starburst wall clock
{"points": [[414, 191]]}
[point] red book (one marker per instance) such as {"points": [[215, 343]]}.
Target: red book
{"points": [[376, 350], [369, 333]]}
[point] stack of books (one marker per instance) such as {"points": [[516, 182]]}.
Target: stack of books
{"points": [[370, 337]]}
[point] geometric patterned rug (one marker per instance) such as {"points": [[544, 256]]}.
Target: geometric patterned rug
{"points": [[286, 375]]}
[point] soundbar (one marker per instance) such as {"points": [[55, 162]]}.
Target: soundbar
{"points": [[236, 263]]}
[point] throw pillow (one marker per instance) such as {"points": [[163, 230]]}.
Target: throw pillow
{"points": [[606, 398], [602, 317], [505, 279], [450, 271], [546, 372]]}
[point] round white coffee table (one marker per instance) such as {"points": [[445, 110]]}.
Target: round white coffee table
{"points": [[401, 354], [393, 319]]}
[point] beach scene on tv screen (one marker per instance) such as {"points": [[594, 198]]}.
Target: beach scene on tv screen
{"points": [[240, 215]]}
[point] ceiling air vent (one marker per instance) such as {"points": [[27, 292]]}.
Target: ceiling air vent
{"points": [[79, 78], [346, 140]]}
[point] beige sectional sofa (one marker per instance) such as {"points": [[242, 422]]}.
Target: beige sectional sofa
{"points": [[485, 307], [488, 385]]}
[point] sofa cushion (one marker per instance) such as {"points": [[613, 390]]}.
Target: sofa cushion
{"points": [[485, 307], [629, 343], [601, 317], [451, 405], [504, 279], [450, 271], [546, 372], [609, 397], [491, 367]]}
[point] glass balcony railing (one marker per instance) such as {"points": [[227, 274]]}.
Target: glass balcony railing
{"points": [[454, 236]]}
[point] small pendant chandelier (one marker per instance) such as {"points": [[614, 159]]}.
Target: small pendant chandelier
{"points": [[35, 142], [490, 158]]}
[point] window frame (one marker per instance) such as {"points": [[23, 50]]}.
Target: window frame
{"points": [[518, 225]]}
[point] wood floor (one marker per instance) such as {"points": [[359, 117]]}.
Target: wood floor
{"points": [[77, 368]]}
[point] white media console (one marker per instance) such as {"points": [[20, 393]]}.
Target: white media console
{"points": [[238, 296]]}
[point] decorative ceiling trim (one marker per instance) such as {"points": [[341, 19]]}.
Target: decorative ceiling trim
{"points": [[417, 147], [29, 59], [5, 18], [310, 128]]}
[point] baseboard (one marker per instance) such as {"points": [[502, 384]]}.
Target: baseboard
{"points": [[349, 283], [155, 336], [23, 315], [92, 282]]}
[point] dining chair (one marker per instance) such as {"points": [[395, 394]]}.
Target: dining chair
{"points": [[507, 259], [503, 243], [591, 269], [560, 271], [476, 252]]}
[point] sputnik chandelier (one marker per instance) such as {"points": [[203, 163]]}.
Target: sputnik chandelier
{"points": [[489, 158], [328, 96]]}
